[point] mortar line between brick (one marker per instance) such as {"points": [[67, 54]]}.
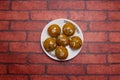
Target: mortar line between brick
{"points": [[107, 35], [85, 66], [27, 35], [107, 63], [7, 68], [87, 52], [107, 54], [46, 68], [29, 14], [8, 48], [108, 40], [47, 9], [67, 77], [85, 2], [63, 74], [107, 16], [28, 77], [9, 26], [88, 26], [108, 77], [88, 30], [48, 2], [38, 10], [27, 59], [10, 6]]}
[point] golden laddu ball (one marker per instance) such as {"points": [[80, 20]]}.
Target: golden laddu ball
{"points": [[68, 29], [75, 42], [62, 40], [54, 30], [50, 44], [61, 52]]}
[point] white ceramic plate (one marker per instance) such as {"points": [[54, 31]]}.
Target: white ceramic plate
{"points": [[61, 22]]}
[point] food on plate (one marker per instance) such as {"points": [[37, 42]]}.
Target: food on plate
{"points": [[54, 30], [62, 40], [50, 44], [61, 52], [68, 29], [75, 42]]}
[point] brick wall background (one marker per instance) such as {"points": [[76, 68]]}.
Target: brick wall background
{"points": [[21, 23]]}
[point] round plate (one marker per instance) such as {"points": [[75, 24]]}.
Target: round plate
{"points": [[61, 22]]}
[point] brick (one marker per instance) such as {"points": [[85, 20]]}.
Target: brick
{"points": [[82, 25], [3, 47], [48, 15], [114, 78], [4, 25], [12, 36], [28, 25], [45, 77], [114, 16], [26, 69], [25, 47], [40, 58], [114, 36], [13, 15], [98, 48], [3, 69], [88, 78], [114, 58], [89, 59], [103, 5], [13, 77], [103, 69], [66, 4], [114, 47], [102, 48], [95, 36], [13, 58], [29, 5], [34, 36], [87, 15], [4, 5], [65, 69], [104, 26]]}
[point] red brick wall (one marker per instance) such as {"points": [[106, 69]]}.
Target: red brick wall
{"points": [[21, 23]]}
